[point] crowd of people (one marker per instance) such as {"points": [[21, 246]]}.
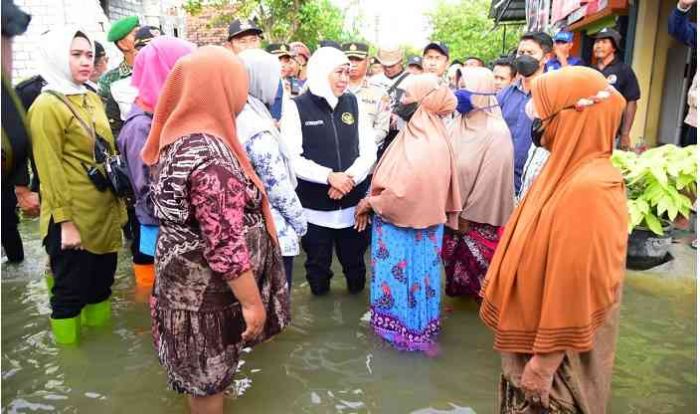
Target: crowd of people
{"points": [[239, 157]]}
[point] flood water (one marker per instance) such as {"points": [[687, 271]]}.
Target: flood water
{"points": [[327, 361]]}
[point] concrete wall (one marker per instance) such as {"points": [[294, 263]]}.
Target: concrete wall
{"points": [[652, 44]]}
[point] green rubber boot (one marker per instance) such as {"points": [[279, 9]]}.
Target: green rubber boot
{"points": [[66, 331], [97, 314], [49, 282]]}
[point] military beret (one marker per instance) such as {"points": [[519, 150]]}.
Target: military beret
{"points": [[122, 27]]}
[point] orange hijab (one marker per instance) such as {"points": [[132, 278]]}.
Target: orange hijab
{"points": [[561, 260], [415, 184], [202, 95]]}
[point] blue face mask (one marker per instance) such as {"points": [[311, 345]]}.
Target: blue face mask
{"points": [[464, 100]]}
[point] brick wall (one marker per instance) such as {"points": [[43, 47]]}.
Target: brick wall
{"points": [[88, 14], [200, 30]]}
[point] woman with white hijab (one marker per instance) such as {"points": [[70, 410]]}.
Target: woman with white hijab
{"points": [[268, 154], [333, 150], [81, 218]]}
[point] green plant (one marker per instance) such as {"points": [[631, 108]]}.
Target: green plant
{"points": [[660, 183]]}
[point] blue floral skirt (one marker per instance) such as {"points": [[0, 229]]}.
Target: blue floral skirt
{"points": [[405, 284]]}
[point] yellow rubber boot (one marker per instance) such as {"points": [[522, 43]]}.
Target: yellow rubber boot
{"points": [[66, 331], [97, 314]]}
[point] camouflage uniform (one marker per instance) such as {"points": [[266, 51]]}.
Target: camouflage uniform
{"points": [[111, 107]]}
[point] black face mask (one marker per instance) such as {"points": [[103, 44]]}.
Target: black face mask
{"points": [[537, 129], [527, 65], [406, 111], [536, 132]]}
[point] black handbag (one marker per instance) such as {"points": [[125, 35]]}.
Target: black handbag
{"points": [[114, 165]]}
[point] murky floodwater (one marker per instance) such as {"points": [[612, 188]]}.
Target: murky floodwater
{"points": [[327, 361]]}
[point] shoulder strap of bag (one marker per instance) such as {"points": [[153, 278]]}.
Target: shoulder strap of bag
{"points": [[397, 83], [63, 99]]}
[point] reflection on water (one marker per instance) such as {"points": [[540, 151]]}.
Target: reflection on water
{"points": [[327, 361]]}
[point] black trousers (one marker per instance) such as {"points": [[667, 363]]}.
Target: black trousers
{"points": [[350, 247], [135, 227], [288, 269], [80, 277], [11, 239], [690, 136]]}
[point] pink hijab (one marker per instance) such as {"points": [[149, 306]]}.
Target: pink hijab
{"points": [[152, 66], [484, 154], [415, 184]]}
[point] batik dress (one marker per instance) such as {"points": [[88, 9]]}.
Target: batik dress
{"points": [[405, 284], [212, 230], [467, 258]]}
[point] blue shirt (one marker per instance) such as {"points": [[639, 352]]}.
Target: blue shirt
{"points": [[554, 64], [682, 29], [276, 109], [512, 101]]}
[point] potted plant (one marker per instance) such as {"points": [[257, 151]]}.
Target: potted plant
{"points": [[661, 186]]}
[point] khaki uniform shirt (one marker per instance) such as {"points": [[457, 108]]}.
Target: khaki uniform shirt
{"points": [[374, 102], [62, 150]]}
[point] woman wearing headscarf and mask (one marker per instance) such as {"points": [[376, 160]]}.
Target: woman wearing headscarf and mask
{"points": [[220, 281], [484, 155], [552, 293], [81, 218], [268, 154], [414, 194], [151, 68], [333, 150]]}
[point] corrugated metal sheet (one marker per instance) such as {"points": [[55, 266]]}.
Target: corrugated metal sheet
{"points": [[514, 13]]}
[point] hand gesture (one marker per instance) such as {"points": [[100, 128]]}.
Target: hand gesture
{"points": [[70, 237], [341, 182], [28, 201], [254, 317]]}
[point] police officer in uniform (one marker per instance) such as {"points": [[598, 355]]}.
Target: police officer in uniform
{"points": [[244, 34], [620, 75], [415, 65], [373, 100], [292, 86]]}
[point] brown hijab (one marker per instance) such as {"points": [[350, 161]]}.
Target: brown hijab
{"points": [[202, 95], [561, 260], [415, 183], [484, 154]]}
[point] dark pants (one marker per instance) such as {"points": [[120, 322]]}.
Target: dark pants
{"points": [[138, 257], [690, 136], [288, 268], [350, 247], [80, 277], [11, 239]]}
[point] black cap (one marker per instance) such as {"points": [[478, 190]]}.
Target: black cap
{"points": [[14, 20], [374, 61], [280, 49], [415, 61], [541, 38], [99, 50], [439, 46], [354, 49], [329, 43], [609, 33], [144, 36], [240, 26]]}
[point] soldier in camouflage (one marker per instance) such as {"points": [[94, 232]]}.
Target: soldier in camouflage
{"points": [[123, 34]]}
